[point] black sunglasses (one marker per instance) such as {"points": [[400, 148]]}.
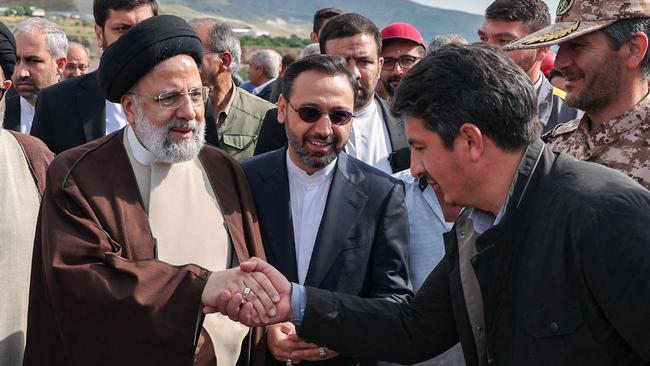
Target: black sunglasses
{"points": [[312, 114]]}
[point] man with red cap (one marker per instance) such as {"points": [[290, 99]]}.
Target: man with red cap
{"points": [[402, 47]]}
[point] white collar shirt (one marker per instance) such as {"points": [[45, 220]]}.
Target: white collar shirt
{"points": [[26, 115], [308, 196], [115, 118], [369, 139]]}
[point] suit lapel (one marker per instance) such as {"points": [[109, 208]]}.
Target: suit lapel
{"points": [[12, 111], [276, 213], [91, 108], [345, 202]]}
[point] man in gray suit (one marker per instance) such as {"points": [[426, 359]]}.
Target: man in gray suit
{"points": [[507, 20]]}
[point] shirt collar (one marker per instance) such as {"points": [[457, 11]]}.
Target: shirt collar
{"points": [[140, 153], [226, 108], [320, 176], [258, 89], [610, 130], [538, 84]]}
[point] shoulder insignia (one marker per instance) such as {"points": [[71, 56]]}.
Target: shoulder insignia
{"points": [[559, 93]]}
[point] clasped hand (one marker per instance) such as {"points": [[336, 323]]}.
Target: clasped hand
{"points": [[267, 302]]}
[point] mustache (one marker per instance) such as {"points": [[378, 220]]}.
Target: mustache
{"points": [[26, 79], [184, 124]]}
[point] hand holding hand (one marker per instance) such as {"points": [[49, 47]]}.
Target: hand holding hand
{"points": [[254, 291]]}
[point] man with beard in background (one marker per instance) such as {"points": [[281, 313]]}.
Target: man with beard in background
{"points": [[138, 229], [328, 220]]}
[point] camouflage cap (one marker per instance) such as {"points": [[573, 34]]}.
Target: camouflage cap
{"points": [[575, 18]]}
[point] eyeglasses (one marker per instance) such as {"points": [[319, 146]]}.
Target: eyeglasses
{"points": [[312, 114], [80, 67], [2, 93], [174, 99], [405, 62]]}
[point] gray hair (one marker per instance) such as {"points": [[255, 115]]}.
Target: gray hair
{"points": [[310, 49], [222, 39], [55, 39], [269, 59], [443, 40], [70, 43]]}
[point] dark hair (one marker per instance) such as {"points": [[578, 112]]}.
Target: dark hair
{"points": [[330, 65], [623, 30], [533, 13], [474, 83], [322, 15], [348, 25], [288, 59], [101, 8]]}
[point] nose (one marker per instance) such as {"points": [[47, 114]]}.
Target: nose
{"points": [[352, 66], [562, 59], [186, 111], [21, 71], [417, 169], [323, 126]]}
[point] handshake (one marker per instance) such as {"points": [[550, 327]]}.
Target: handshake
{"points": [[255, 294]]}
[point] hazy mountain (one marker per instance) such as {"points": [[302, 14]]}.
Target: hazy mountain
{"points": [[272, 15]]}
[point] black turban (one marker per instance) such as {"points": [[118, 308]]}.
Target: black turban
{"points": [[7, 51], [142, 48]]}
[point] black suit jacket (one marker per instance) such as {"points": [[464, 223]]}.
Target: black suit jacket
{"points": [[12, 110], [563, 279], [362, 243], [272, 135], [70, 113], [266, 92]]}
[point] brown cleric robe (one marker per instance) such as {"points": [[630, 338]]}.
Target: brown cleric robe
{"points": [[98, 295]]}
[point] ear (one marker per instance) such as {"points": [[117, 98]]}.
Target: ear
{"points": [[99, 34], [282, 109], [226, 61], [380, 63], [472, 141], [635, 50], [314, 37], [60, 65], [129, 108], [541, 53], [6, 84]]}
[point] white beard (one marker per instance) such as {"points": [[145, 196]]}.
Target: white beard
{"points": [[157, 140]]}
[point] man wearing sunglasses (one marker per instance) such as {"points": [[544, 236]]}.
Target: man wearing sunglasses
{"points": [[328, 220], [24, 160], [402, 47]]}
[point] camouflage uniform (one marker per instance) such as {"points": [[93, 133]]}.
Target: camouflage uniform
{"points": [[622, 143]]}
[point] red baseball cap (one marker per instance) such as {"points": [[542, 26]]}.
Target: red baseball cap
{"points": [[402, 30]]}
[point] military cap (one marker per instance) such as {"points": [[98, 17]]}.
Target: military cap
{"points": [[575, 18], [139, 50]]}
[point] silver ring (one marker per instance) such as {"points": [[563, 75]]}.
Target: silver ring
{"points": [[289, 362], [246, 292], [321, 352]]}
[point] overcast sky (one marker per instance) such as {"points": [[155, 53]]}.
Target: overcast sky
{"points": [[474, 6]]}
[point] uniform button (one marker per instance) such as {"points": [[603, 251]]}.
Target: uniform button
{"points": [[479, 328], [461, 234], [554, 327]]}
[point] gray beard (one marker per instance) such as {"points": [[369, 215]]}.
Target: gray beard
{"points": [[157, 140]]}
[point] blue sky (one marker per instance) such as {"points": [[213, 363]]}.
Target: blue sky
{"points": [[473, 6]]}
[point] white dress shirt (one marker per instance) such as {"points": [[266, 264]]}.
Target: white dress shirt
{"points": [[308, 196], [115, 118], [26, 115], [369, 139]]}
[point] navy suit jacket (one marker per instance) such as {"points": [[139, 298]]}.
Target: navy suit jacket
{"points": [[362, 243], [70, 113]]}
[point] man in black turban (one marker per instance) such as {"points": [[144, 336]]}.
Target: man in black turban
{"points": [[138, 228]]}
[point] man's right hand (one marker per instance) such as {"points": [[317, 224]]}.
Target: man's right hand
{"points": [[230, 303]]}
